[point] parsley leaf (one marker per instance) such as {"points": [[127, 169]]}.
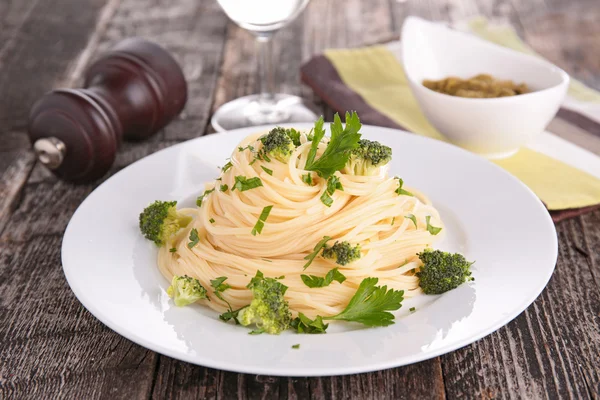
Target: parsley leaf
{"points": [[430, 228], [242, 183], [267, 170], [370, 304], [307, 179], [313, 281], [201, 198], [261, 220], [318, 135], [194, 239], [224, 188], [316, 251], [336, 154], [303, 324], [401, 191], [412, 218]]}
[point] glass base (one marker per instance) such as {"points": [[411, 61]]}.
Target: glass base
{"points": [[248, 111]]}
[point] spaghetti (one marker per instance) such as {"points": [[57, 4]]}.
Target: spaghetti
{"points": [[391, 228]]}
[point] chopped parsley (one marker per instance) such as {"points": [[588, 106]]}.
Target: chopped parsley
{"points": [[333, 184], [307, 179], [412, 218], [318, 247], [227, 166], [294, 135], [261, 220], [412, 309], [201, 198], [242, 183], [401, 191], [267, 170], [393, 220], [223, 188], [303, 324], [212, 221], [430, 228], [219, 286], [313, 281], [343, 141], [194, 239], [172, 249], [296, 346]]}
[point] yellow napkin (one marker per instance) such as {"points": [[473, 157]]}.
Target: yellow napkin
{"points": [[376, 74]]}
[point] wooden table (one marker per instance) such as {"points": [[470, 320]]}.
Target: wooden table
{"points": [[51, 347]]}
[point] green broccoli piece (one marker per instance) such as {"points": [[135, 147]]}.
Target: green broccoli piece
{"points": [[160, 220], [367, 158], [342, 253], [185, 290], [269, 311], [442, 271], [279, 144]]}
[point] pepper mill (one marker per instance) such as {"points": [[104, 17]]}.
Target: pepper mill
{"points": [[131, 92]]}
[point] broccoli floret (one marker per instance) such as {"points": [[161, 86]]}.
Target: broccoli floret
{"points": [[342, 252], [367, 158], [160, 220], [442, 271], [279, 144], [269, 311], [185, 290]]}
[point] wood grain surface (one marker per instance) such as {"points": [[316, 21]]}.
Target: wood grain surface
{"points": [[51, 347]]}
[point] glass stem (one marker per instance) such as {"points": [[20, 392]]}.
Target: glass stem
{"points": [[265, 70]]}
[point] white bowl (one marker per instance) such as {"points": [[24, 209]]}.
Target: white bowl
{"points": [[495, 127]]}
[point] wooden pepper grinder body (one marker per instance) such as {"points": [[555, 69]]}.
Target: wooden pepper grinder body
{"points": [[130, 92]]}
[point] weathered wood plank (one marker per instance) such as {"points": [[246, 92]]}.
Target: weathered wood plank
{"points": [[60, 350], [551, 350], [16, 162], [38, 40], [568, 35], [50, 346]]}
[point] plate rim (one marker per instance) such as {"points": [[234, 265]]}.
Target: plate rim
{"points": [[294, 371]]}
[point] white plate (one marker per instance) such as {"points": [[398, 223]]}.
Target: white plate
{"points": [[490, 216]]}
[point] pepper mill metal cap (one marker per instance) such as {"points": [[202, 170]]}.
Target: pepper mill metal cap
{"points": [[130, 92], [50, 152]]}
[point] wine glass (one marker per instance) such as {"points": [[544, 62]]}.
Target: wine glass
{"points": [[262, 18]]}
